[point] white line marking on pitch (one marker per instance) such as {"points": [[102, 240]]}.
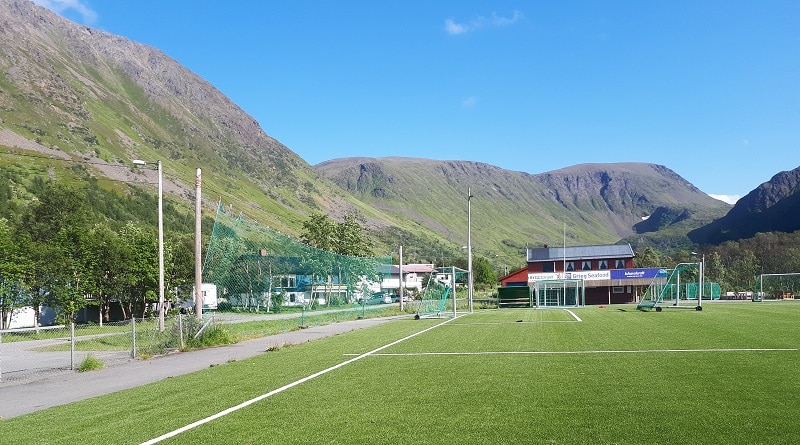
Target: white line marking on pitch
{"points": [[283, 388], [622, 351], [573, 315]]}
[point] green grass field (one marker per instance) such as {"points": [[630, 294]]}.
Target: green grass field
{"points": [[727, 374]]}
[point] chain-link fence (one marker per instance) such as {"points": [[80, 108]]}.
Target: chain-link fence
{"points": [[29, 354]]}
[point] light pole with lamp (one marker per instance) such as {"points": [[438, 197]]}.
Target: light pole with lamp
{"points": [[469, 249], [160, 243], [701, 278]]}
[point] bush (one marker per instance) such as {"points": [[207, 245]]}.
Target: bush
{"points": [[212, 336], [90, 363]]}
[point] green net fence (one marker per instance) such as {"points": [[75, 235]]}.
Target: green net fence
{"points": [[258, 269]]}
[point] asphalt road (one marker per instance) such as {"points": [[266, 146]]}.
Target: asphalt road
{"points": [[69, 386]]}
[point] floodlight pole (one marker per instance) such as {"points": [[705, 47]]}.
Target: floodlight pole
{"points": [[198, 257], [160, 243], [470, 283]]}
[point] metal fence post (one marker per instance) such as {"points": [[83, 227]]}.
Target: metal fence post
{"points": [[72, 346], [133, 335], [180, 328]]}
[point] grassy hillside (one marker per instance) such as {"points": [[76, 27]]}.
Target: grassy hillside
{"points": [[598, 203]]}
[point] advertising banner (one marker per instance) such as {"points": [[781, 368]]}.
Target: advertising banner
{"points": [[635, 274]]}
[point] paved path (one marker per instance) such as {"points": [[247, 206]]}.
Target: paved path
{"points": [[67, 387]]}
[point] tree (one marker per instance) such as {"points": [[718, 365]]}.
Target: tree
{"points": [[14, 267], [648, 257], [350, 236], [482, 271], [319, 231], [57, 224], [346, 238], [715, 270]]}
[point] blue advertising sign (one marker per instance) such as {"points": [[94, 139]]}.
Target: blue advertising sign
{"points": [[633, 274]]}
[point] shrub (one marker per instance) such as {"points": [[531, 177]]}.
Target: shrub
{"points": [[90, 363]]}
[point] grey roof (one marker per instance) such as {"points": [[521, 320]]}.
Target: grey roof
{"points": [[580, 252]]}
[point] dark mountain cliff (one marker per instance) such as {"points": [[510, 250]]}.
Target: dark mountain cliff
{"points": [[772, 207]]}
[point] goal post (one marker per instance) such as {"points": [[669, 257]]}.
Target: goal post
{"points": [[777, 286], [440, 299], [559, 293]]}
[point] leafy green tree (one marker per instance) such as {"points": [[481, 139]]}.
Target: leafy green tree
{"points": [[346, 238], [483, 271], [715, 270], [351, 238], [319, 231], [744, 271], [14, 267], [648, 257], [57, 206], [57, 223], [140, 276]]}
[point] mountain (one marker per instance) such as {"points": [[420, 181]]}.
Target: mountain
{"points": [[78, 103], [100, 100], [598, 203], [774, 206]]}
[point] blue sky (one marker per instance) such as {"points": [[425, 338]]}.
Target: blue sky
{"points": [[706, 88]]}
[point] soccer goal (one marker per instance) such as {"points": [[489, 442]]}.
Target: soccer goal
{"points": [[674, 285], [440, 298], [777, 286], [560, 293]]}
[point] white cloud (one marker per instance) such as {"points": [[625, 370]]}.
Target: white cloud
{"points": [[469, 102], [730, 199], [60, 6], [454, 28], [505, 21]]}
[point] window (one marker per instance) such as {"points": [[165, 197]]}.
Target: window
{"points": [[602, 265], [586, 265], [549, 267], [286, 281], [570, 266], [620, 264], [618, 290]]}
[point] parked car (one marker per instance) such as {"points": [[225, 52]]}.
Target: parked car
{"points": [[396, 298], [380, 298]]}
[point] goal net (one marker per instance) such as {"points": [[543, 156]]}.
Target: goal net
{"points": [[441, 297], [559, 293], [777, 286]]}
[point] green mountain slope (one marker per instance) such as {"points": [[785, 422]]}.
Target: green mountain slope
{"points": [[75, 93], [598, 203]]}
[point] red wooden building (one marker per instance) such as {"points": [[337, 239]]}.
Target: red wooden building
{"points": [[606, 270]]}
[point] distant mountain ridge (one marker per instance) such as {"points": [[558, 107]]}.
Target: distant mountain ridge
{"points": [[774, 206], [598, 203], [89, 102]]}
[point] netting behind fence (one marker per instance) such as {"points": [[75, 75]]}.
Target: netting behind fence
{"points": [[259, 269]]}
